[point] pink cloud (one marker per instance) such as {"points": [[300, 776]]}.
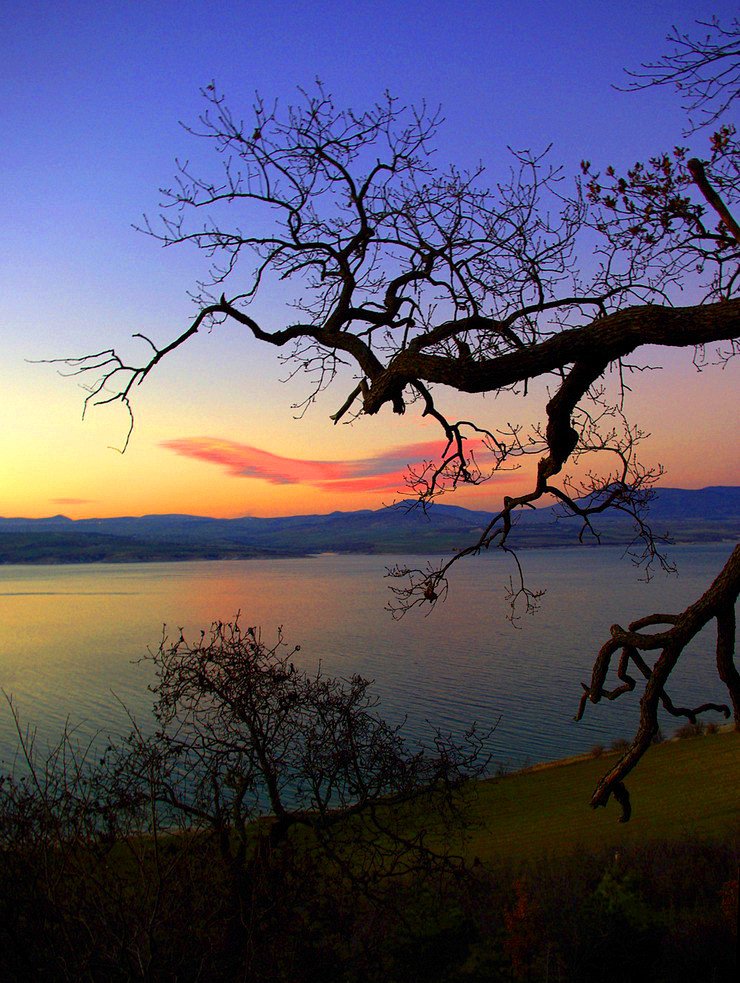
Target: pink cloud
{"points": [[383, 472], [394, 481]]}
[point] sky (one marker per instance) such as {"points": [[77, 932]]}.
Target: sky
{"points": [[94, 96]]}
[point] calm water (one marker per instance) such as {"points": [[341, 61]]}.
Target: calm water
{"points": [[71, 636]]}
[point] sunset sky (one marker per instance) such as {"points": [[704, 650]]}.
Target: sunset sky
{"points": [[93, 95]]}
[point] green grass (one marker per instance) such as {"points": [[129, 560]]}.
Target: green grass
{"points": [[680, 789]]}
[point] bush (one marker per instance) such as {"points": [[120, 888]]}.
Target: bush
{"points": [[273, 825], [658, 911]]}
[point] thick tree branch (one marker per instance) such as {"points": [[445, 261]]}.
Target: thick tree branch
{"points": [[615, 336], [699, 174], [718, 603]]}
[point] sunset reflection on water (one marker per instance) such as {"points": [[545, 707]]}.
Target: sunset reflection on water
{"points": [[72, 636]]}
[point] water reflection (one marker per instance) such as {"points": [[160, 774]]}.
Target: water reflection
{"points": [[72, 636]]}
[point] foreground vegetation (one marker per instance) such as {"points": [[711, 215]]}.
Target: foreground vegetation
{"points": [[542, 887]]}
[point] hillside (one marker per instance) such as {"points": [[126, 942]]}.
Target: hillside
{"points": [[688, 516], [544, 811]]}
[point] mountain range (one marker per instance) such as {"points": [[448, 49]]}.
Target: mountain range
{"points": [[703, 515]]}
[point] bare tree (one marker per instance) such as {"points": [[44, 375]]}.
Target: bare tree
{"points": [[296, 776], [705, 70], [243, 733], [416, 278], [268, 811]]}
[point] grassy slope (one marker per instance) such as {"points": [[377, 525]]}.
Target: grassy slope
{"points": [[680, 788]]}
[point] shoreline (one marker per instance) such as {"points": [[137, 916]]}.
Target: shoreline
{"points": [[228, 556]]}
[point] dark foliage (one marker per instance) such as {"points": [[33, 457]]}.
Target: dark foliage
{"points": [[255, 833], [655, 911]]}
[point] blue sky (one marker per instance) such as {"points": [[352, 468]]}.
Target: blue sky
{"points": [[94, 92]]}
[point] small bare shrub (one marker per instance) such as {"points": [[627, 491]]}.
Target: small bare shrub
{"points": [[689, 730]]}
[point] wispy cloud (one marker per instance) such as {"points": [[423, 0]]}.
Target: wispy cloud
{"points": [[385, 471]]}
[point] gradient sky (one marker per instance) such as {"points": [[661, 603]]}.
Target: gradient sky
{"points": [[93, 92]]}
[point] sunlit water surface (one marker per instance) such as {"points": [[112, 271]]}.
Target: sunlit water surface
{"points": [[72, 635]]}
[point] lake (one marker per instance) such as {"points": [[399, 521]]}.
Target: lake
{"points": [[72, 635]]}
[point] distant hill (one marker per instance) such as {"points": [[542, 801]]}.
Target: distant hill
{"points": [[704, 515]]}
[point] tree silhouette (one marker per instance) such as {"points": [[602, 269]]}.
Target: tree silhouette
{"points": [[241, 731], [267, 816], [413, 277]]}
